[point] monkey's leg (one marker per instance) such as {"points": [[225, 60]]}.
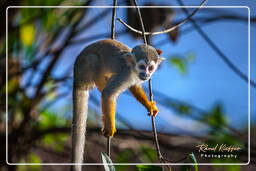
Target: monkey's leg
{"points": [[114, 87], [108, 117], [141, 96]]}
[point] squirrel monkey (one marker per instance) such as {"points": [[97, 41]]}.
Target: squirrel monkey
{"points": [[112, 67]]}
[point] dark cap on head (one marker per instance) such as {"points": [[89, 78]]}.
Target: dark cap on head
{"points": [[146, 52]]}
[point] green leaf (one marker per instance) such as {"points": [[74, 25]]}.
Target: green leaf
{"points": [[108, 165], [192, 159], [180, 64], [148, 168], [149, 154]]}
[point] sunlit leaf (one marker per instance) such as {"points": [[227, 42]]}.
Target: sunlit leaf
{"points": [[192, 159], [107, 162], [27, 34]]}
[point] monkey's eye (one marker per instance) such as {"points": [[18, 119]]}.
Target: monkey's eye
{"points": [[151, 68], [142, 67]]}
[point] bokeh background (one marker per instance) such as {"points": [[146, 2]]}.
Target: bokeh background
{"points": [[201, 88]]}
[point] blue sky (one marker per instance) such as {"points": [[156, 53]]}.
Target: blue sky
{"points": [[209, 80]]}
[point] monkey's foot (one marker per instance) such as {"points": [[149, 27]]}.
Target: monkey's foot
{"points": [[108, 131], [153, 109]]}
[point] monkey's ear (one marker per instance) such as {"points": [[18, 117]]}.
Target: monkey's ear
{"points": [[160, 60], [159, 51], [130, 59]]}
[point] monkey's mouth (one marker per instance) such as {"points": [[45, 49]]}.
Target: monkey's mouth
{"points": [[144, 76]]}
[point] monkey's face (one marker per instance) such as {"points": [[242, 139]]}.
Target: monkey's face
{"points": [[144, 60], [145, 69]]}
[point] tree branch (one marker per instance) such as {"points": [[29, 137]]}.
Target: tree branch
{"points": [[167, 30], [216, 49]]}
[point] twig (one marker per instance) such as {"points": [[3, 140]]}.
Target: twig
{"points": [[205, 22], [113, 20], [108, 146], [160, 157], [217, 50], [113, 38], [164, 31], [141, 22]]}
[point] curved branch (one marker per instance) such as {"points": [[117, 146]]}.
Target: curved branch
{"points": [[226, 60], [167, 30]]}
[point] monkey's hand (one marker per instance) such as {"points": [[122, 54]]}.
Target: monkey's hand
{"points": [[153, 110], [108, 130]]}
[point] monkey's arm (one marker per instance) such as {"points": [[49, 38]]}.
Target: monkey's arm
{"points": [[141, 96]]}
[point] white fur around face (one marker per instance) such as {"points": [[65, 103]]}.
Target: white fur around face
{"points": [[142, 62]]}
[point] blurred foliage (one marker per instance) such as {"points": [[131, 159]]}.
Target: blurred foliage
{"points": [[181, 62], [31, 158], [123, 157], [48, 119], [34, 35], [36, 39], [182, 109], [226, 167], [27, 34], [148, 154], [216, 119], [148, 168], [57, 141]]}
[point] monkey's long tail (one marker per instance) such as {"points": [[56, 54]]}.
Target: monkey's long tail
{"points": [[80, 110]]}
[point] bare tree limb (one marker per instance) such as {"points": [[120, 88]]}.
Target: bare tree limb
{"points": [[217, 50], [167, 30]]}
